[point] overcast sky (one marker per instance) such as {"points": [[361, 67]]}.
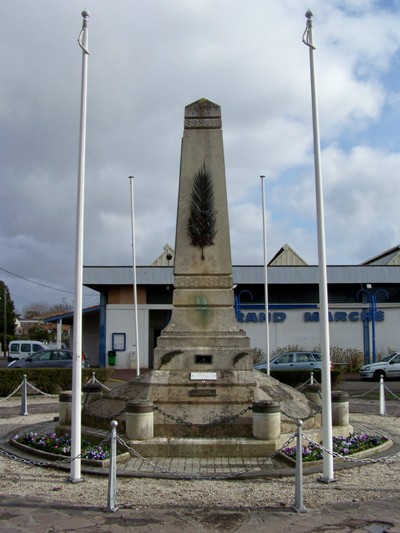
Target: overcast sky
{"points": [[150, 58]]}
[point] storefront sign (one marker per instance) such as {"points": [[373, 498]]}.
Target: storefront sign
{"points": [[343, 316], [334, 316]]}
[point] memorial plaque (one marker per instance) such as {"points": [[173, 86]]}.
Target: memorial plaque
{"points": [[203, 376]]}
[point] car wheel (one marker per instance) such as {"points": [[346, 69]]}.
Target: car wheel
{"points": [[378, 374]]}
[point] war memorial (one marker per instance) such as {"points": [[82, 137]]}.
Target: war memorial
{"points": [[203, 397]]}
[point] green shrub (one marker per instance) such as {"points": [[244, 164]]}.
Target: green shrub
{"points": [[49, 380], [298, 377]]}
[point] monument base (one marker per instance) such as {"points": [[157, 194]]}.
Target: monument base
{"points": [[202, 404]]}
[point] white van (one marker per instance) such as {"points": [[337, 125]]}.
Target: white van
{"points": [[23, 349]]}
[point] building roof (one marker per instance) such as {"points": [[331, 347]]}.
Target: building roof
{"points": [[286, 256], [166, 258], [97, 277], [390, 257], [68, 318]]}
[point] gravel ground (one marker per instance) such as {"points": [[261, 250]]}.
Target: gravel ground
{"points": [[360, 483]]}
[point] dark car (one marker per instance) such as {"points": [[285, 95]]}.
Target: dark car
{"points": [[293, 361], [49, 359]]}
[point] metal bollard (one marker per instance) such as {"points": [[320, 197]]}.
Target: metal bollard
{"points": [[112, 475], [382, 406], [298, 497], [24, 397], [312, 378]]}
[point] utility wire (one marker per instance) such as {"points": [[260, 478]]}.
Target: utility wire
{"points": [[37, 283]]}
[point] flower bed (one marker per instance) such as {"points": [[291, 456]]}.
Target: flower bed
{"points": [[55, 447], [354, 443]]}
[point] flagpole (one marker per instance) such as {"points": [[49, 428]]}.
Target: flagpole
{"points": [[265, 274], [75, 472], [328, 475], [131, 178]]}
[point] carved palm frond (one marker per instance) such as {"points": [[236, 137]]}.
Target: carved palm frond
{"points": [[202, 221]]}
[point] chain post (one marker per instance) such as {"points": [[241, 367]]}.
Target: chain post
{"points": [[24, 397], [112, 475], [299, 496], [382, 407]]}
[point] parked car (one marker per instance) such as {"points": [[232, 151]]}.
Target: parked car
{"points": [[388, 367], [23, 349], [293, 361], [49, 359]]}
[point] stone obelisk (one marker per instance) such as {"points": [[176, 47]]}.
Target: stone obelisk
{"points": [[203, 333], [203, 382]]}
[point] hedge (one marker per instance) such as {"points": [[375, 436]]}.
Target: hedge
{"points": [[298, 377], [49, 380]]}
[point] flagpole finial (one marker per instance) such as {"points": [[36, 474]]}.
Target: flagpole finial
{"points": [[85, 14], [309, 14]]}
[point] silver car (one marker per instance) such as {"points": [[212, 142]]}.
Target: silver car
{"points": [[388, 367], [293, 361], [49, 359]]}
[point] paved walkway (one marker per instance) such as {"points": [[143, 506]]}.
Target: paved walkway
{"points": [[33, 515], [181, 467]]}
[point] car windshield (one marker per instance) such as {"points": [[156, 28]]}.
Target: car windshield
{"points": [[40, 356], [388, 358]]}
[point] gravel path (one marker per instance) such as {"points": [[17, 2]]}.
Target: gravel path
{"points": [[357, 484]]}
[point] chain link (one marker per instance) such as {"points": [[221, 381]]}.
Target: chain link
{"points": [[387, 459], [392, 393], [93, 380], [55, 463], [41, 392], [311, 415], [182, 475], [12, 394], [365, 393], [216, 422]]}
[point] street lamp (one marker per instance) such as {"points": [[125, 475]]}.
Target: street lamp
{"points": [[371, 299], [5, 322], [237, 302]]}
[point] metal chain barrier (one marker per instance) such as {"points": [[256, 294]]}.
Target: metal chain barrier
{"points": [[12, 394], [182, 475], [217, 421], [392, 393], [310, 381], [93, 380], [311, 415], [386, 459], [41, 392], [58, 462], [353, 396]]}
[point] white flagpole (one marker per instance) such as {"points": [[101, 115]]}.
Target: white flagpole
{"points": [[131, 178], [328, 475], [75, 472], [265, 273]]}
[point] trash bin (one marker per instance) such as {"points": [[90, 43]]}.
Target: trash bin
{"points": [[112, 356]]}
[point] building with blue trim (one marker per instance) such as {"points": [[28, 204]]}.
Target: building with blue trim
{"points": [[364, 305]]}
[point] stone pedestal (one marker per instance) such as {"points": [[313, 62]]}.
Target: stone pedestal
{"points": [[139, 420], [91, 392], [65, 408], [340, 408], [313, 393], [266, 420]]}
